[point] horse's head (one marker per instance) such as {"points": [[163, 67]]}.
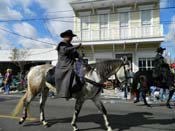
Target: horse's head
{"points": [[107, 68], [104, 69], [124, 73]]}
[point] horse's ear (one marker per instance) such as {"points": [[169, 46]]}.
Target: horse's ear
{"points": [[124, 59]]}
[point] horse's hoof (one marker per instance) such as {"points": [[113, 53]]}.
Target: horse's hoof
{"points": [[148, 105], [109, 129], [45, 124], [168, 106], [21, 121], [75, 129], [136, 101]]}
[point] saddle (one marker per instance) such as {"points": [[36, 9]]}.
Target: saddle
{"points": [[50, 76]]}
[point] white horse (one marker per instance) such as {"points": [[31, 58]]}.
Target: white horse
{"points": [[37, 84]]}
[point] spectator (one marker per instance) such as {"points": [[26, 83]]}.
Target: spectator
{"points": [[154, 93], [1, 79], [142, 89], [128, 85], [7, 81], [163, 94]]}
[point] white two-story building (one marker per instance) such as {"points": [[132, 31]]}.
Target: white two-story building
{"points": [[116, 28]]}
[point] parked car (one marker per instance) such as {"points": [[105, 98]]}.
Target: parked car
{"points": [[15, 84]]}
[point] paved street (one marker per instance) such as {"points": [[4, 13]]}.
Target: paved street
{"points": [[124, 116]]}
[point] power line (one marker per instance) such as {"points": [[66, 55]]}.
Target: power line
{"points": [[58, 19], [71, 10], [66, 21], [63, 17], [59, 11], [46, 26], [36, 19], [26, 37]]}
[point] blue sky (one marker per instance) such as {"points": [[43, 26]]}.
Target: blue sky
{"points": [[166, 13], [167, 18], [16, 17], [48, 31]]}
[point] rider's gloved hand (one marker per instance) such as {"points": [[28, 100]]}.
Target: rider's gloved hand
{"points": [[78, 46]]}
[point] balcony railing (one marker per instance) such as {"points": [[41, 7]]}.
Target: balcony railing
{"points": [[121, 33]]}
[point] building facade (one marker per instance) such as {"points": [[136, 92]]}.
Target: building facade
{"points": [[116, 28]]}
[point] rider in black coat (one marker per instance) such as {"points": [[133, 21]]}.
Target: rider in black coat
{"points": [[161, 69], [159, 59], [66, 80]]}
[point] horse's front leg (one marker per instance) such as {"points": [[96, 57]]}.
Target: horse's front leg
{"points": [[78, 106], [169, 98], [43, 99], [101, 107]]}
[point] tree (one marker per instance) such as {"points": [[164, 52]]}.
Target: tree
{"points": [[18, 57]]}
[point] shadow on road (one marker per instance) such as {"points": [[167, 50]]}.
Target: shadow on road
{"points": [[120, 122], [157, 105]]}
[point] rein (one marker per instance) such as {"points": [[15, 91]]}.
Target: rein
{"points": [[126, 76], [100, 85], [106, 77]]}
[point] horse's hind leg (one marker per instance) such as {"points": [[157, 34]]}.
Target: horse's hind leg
{"points": [[43, 99], [27, 101], [169, 98], [101, 107], [78, 106]]}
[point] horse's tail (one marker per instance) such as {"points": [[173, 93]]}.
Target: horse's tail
{"points": [[20, 105]]}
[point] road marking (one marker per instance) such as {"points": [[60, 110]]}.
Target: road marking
{"points": [[17, 117]]}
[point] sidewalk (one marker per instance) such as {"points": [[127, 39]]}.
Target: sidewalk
{"points": [[114, 94], [107, 94], [12, 93]]}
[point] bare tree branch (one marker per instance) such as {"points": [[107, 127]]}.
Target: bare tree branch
{"points": [[18, 57]]}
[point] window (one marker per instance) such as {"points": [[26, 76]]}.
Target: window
{"points": [[145, 64], [124, 24], [146, 17], [103, 26], [146, 22], [85, 28]]}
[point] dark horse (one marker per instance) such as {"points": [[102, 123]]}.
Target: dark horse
{"points": [[147, 76]]}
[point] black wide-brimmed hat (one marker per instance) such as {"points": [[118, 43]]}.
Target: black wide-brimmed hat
{"points": [[67, 33], [160, 49]]}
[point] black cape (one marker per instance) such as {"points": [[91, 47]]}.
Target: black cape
{"points": [[66, 80]]}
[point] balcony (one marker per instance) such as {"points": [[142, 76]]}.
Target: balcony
{"points": [[124, 33]]}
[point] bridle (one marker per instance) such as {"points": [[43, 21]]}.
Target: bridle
{"points": [[125, 73]]}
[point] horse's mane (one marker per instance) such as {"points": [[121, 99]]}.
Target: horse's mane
{"points": [[108, 67]]}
